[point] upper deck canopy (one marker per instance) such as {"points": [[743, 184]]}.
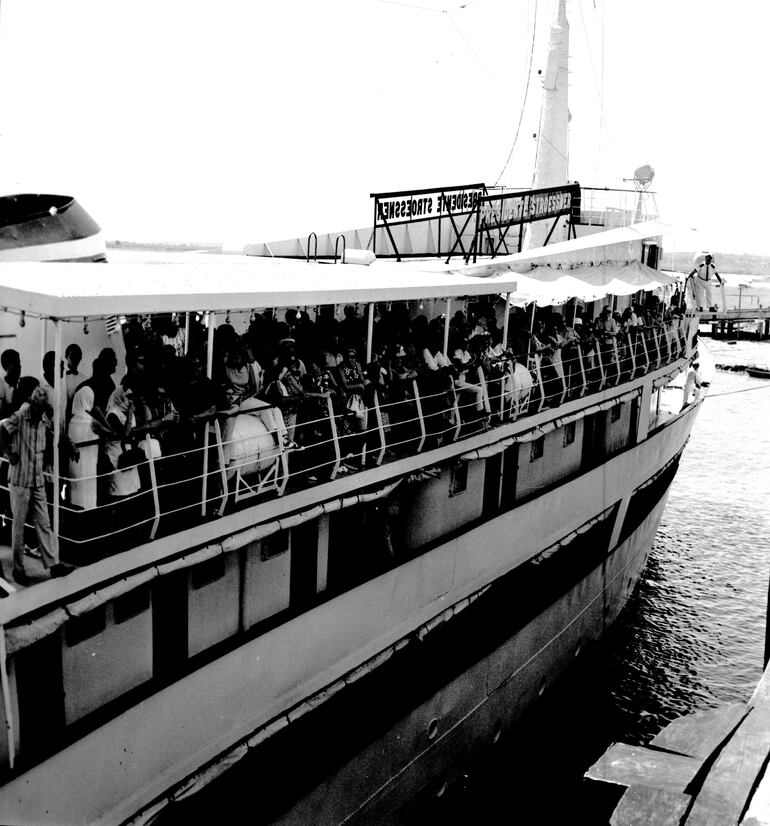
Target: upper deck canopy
{"points": [[178, 282]]}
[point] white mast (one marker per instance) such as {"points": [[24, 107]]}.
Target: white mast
{"points": [[553, 136]]}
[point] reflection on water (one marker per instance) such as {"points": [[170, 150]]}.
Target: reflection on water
{"points": [[693, 634]]}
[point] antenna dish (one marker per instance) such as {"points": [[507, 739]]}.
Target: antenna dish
{"points": [[644, 175]]}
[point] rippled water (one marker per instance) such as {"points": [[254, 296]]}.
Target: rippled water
{"points": [[692, 635]]}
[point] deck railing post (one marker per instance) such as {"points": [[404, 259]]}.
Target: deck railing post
{"points": [[58, 421], [632, 350], [222, 469], [617, 360], [205, 479], [420, 417], [380, 429], [539, 377], [602, 376], [583, 382], [456, 409], [154, 483], [335, 437]]}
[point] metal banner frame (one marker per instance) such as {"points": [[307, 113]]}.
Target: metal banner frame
{"points": [[498, 213], [418, 206]]}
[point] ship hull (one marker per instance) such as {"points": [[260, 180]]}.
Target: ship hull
{"points": [[356, 773], [505, 604]]}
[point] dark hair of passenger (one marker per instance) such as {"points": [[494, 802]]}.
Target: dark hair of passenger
{"points": [[9, 358], [73, 353], [25, 388]]}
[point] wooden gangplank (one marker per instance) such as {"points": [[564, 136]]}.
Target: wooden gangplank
{"points": [[704, 769]]}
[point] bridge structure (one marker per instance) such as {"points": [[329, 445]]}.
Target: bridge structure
{"points": [[749, 322]]}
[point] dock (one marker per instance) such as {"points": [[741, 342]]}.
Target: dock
{"points": [[705, 769], [728, 323]]}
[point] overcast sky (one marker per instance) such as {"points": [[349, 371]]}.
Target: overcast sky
{"points": [[261, 120]]}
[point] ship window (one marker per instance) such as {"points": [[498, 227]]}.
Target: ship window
{"points": [[459, 480], [569, 433], [86, 625], [207, 572], [131, 604], [275, 544], [615, 413], [536, 451]]}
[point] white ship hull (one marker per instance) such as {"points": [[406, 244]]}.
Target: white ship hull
{"points": [[192, 729]]}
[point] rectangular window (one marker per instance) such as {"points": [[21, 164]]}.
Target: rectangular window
{"points": [[207, 572], [459, 481], [536, 451], [275, 544], [131, 604], [569, 433], [86, 625]]}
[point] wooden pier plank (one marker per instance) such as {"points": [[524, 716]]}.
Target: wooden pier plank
{"points": [[627, 765], [644, 805], [730, 782], [699, 734]]}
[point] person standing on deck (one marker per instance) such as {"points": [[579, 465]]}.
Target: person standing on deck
{"points": [[22, 441], [11, 364], [700, 282]]}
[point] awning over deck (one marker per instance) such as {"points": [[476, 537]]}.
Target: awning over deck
{"points": [[591, 267]]}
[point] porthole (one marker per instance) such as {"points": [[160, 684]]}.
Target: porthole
{"points": [[541, 689], [442, 789], [433, 728]]}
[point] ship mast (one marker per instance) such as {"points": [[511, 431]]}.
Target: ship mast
{"points": [[553, 135]]}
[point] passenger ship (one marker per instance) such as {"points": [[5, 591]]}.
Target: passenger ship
{"points": [[268, 634]]}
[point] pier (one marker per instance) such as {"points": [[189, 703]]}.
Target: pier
{"points": [[727, 323], [705, 769]]}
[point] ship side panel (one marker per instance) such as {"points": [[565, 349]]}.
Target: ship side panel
{"points": [[134, 760]]}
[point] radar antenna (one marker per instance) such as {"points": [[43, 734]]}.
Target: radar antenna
{"points": [[642, 179]]}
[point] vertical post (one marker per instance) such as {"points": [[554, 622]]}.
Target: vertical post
{"points": [[335, 437], [380, 428], [418, 403], [187, 332], [369, 332], [206, 437], [505, 320], [7, 706], [446, 326], [583, 384], [222, 468], [43, 341], [154, 483], [210, 346], [58, 384]]}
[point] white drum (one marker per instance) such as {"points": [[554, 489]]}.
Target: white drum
{"points": [[249, 443]]}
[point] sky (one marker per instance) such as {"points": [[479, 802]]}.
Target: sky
{"points": [[251, 121]]}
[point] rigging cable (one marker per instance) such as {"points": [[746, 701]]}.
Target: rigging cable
{"points": [[733, 392], [524, 101]]}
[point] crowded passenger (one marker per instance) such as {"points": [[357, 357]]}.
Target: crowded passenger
{"points": [[316, 396]]}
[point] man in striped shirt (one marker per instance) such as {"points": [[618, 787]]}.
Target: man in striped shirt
{"points": [[23, 441]]}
